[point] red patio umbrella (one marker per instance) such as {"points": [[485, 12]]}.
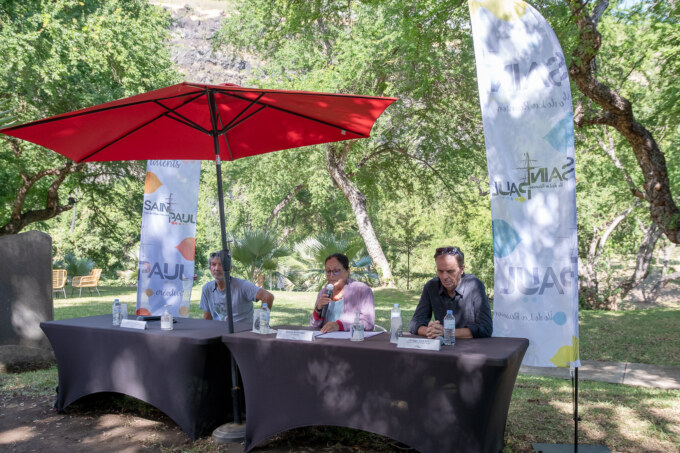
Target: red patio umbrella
{"points": [[199, 122]]}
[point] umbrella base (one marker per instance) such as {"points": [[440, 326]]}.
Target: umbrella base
{"points": [[229, 433]]}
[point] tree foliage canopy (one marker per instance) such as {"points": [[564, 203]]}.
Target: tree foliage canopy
{"points": [[60, 56], [423, 171]]}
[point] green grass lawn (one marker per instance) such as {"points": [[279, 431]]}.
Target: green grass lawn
{"points": [[624, 418], [644, 336]]}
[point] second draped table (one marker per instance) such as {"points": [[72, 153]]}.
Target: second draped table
{"points": [[456, 399]]}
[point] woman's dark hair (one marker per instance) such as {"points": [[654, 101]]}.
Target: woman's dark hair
{"points": [[340, 257]]}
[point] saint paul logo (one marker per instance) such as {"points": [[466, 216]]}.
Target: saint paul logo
{"points": [[530, 177], [167, 208]]}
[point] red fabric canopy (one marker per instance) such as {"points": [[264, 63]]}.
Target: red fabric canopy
{"points": [[175, 123]]}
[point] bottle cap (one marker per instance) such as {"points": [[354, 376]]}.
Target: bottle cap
{"points": [[449, 312], [115, 300], [396, 305]]}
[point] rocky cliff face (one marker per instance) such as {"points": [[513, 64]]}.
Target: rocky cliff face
{"points": [[191, 48]]}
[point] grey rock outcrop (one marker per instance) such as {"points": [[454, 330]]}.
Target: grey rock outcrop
{"points": [[191, 46]]}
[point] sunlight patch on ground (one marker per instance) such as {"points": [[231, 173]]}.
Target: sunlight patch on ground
{"points": [[15, 435], [565, 407], [630, 425]]}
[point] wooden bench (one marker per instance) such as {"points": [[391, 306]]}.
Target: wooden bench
{"points": [[86, 281]]}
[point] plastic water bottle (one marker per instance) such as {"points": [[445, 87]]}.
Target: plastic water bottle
{"points": [[449, 328], [256, 319], [357, 331], [395, 324], [166, 319], [264, 318], [116, 311]]}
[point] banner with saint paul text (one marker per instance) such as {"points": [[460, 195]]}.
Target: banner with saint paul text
{"points": [[529, 135], [168, 238]]}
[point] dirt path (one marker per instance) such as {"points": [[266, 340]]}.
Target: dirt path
{"points": [[29, 424], [101, 423]]}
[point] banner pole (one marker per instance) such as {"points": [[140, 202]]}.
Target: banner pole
{"points": [[576, 419]]}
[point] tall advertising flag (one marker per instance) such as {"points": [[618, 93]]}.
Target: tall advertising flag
{"points": [[168, 238], [529, 134]]}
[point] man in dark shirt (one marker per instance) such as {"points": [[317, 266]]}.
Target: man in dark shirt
{"points": [[455, 290]]}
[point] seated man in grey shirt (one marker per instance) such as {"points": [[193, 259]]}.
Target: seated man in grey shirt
{"points": [[455, 290], [243, 293]]}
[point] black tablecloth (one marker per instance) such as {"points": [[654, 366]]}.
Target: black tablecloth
{"points": [[184, 372], [456, 399]]}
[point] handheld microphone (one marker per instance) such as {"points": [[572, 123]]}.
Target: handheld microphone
{"points": [[329, 291]]}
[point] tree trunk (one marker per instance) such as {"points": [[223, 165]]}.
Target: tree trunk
{"points": [[618, 113], [19, 218], [259, 279], [75, 213], [282, 204], [408, 269], [644, 257], [665, 277], [335, 163], [589, 283], [659, 285]]}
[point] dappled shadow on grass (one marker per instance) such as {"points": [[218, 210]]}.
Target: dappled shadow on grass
{"points": [[623, 418], [642, 336]]}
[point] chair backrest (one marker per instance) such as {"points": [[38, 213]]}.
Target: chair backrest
{"points": [[96, 273], [58, 278]]}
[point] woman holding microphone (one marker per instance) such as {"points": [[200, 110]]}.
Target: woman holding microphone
{"points": [[338, 301]]}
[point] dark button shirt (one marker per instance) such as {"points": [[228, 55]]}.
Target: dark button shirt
{"points": [[469, 303]]}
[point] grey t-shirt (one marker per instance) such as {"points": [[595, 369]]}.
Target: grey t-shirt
{"points": [[243, 293]]}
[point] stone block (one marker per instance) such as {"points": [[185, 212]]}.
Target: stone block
{"points": [[25, 288]]}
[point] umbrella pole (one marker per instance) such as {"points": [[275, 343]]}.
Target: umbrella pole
{"points": [[226, 267], [225, 256]]}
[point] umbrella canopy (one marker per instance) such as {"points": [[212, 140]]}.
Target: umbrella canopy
{"points": [[182, 121]]}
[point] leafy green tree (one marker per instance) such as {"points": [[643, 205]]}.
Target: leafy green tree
{"points": [[60, 56], [636, 46], [604, 101], [105, 227], [405, 232], [413, 51], [421, 52]]}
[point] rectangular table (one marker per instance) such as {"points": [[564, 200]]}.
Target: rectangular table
{"points": [[183, 372], [456, 399]]}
